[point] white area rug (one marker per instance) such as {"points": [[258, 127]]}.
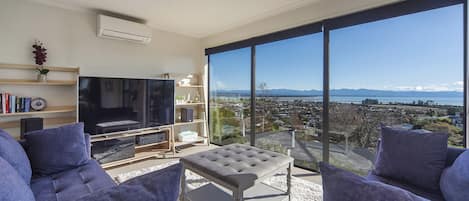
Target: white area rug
{"points": [[302, 190]]}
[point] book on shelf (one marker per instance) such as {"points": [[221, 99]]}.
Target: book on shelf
{"points": [[5, 103], [22, 106], [14, 104], [27, 104], [18, 102]]}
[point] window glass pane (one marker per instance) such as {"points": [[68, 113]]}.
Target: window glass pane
{"points": [[289, 98], [404, 72], [230, 83]]}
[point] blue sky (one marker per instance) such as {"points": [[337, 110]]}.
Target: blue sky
{"points": [[418, 52]]}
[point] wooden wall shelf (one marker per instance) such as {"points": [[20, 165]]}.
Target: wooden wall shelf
{"points": [[34, 82], [47, 122], [190, 104], [190, 86], [33, 67], [196, 121], [19, 79], [48, 110]]}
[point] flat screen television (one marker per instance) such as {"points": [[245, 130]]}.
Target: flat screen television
{"points": [[115, 104]]}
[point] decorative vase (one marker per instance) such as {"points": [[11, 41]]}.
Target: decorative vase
{"points": [[42, 77]]}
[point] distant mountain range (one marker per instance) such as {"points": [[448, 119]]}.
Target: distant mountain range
{"points": [[341, 92]]}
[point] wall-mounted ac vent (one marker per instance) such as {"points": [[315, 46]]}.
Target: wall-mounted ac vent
{"points": [[119, 29]]}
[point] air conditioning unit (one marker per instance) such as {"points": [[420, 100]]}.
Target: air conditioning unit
{"points": [[119, 29]]}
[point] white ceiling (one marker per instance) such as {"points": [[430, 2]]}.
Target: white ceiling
{"points": [[196, 18]]}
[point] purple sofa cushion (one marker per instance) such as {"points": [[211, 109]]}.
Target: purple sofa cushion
{"points": [[72, 184], [454, 181], [412, 157], [12, 186], [428, 194], [13, 153], [161, 185], [340, 185], [57, 149]]}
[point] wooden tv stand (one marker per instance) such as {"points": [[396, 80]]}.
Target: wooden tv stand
{"points": [[142, 152]]}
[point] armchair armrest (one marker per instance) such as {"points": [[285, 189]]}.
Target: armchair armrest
{"points": [[162, 185]]}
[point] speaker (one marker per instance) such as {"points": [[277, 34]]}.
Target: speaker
{"points": [[151, 138], [31, 124], [187, 115]]}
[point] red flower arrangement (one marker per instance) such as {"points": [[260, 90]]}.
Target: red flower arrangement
{"points": [[40, 56]]}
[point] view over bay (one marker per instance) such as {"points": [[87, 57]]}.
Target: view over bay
{"points": [[355, 96], [402, 72]]}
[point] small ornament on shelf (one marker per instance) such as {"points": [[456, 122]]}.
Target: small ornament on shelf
{"points": [[40, 56], [186, 81], [165, 76], [38, 104], [180, 100], [197, 97]]}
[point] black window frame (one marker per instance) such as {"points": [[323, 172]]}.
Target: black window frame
{"points": [[327, 25]]}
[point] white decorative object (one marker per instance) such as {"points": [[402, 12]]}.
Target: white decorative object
{"points": [[187, 136], [38, 104], [42, 77], [188, 99], [185, 82]]}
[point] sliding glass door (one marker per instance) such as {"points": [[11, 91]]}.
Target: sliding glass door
{"points": [[405, 72], [289, 98], [229, 102]]}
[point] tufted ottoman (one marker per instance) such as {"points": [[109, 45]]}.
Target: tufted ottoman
{"points": [[236, 168]]}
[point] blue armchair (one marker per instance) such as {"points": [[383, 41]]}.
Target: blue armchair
{"points": [[452, 154], [411, 165], [87, 181]]}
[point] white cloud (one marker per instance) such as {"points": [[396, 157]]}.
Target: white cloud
{"points": [[455, 86], [220, 85], [458, 83]]}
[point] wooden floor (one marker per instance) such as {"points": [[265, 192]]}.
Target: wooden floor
{"points": [[297, 172]]}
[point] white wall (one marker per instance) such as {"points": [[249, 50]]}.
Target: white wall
{"points": [[70, 37]]}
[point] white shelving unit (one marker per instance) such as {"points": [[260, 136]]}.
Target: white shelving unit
{"points": [[199, 124]]}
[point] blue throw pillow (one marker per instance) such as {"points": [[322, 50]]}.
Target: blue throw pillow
{"points": [[161, 185], [12, 185], [340, 185], [454, 183], [413, 157], [13, 153], [57, 149]]}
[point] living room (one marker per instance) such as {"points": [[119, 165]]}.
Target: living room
{"points": [[233, 100]]}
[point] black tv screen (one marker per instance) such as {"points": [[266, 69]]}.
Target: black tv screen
{"points": [[115, 104]]}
